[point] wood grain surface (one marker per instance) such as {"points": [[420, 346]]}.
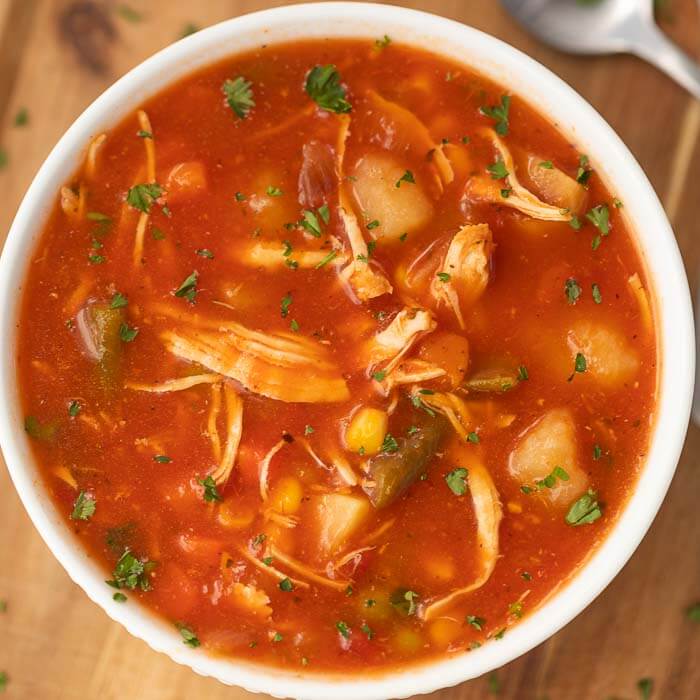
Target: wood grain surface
{"points": [[55, 58]]}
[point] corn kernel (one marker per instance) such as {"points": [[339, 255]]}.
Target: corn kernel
{"points": [[366, 430]]}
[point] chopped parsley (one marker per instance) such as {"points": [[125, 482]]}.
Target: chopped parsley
{"points": [[382, 43], [476, 622], [273, 191], [188, 288], [372, 224], [285, 304], [693, 612], [73, 408], [22, 117], [277, 637], [240, 197], [3, 681], [286, 585], [599, 217], [141, 197], [406, 177], [523, 374], [326, 259], [580, 363], [498, 170], [157, 234], [585, 510], [38, 430], [99, 217], [162, 459], [526, 575], [294, 325], [546, 164], [324, 88], [205, 253], [597, 452], [367, 630], [456, 480], [403, 237], [188, 636], [419, 403], [505, 192], [379, 375], [494, 683], [473, 437], [575, 223], [584, 172], [126, 333], [572, 290], [118, 301], [211, 493], [132, 573], [444, 276], [96, 259], [405, 601], [144, 134], [84, 507], [499, 113], [308, 429], [597, 296], [119, 597], [239, 96], [389, 444], [343, 628]]}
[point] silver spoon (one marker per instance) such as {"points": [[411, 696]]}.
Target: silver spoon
{"points": [[606, 26]]}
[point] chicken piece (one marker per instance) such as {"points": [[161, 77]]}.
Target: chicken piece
{"points": [[464, 272], [271, 255], [555, 186], [545, 459]]}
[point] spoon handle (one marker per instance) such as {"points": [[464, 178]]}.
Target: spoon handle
{"points": [[651, 44]]}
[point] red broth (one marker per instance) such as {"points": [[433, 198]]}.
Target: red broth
{"points": [[499, 450]]}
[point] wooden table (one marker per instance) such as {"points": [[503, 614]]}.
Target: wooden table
{"points": [[55, 58]]}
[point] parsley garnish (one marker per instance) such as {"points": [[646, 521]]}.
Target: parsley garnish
{"points": [[277, 637], [141, 197], [308, 429], [367, 630], [693, 612], [547, 164], [73, 408], [382, 43], [205, 253], [162, 459], [584, 172], [585, 510], [119, 597], [598, 216], [406, 177], [474, 437], [457, 481], [22, 117], [343, 628], [188, 288], [96, 259], [130, 572], [379, 375], [476, 622], [597, 296], [326, 260], [523, 374], [144, 134], [499, 113], [285, 304], [286, 585], [126, 333], [575, 223], [498, 170], [38, 431], [239, 96], [324, 88], [188, 636], [597, 452], [98, 216], [188, 30], [580, 363], [389, 444], [404, 601], [372, 224], [118, 301], [211, 493], [572, 290], [443, 276], [645, 686], [84, 507]]}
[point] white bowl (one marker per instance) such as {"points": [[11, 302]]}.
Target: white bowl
{"points": [[579, 121]]}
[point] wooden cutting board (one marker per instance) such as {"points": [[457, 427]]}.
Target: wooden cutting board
{"points": [[55, 58]]}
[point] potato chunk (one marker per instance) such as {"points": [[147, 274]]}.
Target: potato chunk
{"points": [[397, 209], [337, 517], [549, 443], [609, 357]]}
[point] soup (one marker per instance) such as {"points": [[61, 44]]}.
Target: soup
{"points": [[337, 356]]}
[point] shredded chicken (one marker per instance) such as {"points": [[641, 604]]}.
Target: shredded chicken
{"points": [[306, 571], [450, 405], [270, 570], [91, 158], [264, 469], [72, 203], [365, 280], [274, 256], [234, 429], [212, 430], [175, 384], [411, 371], [520, 198], [354, 556], [391, 344], [251, 598], [149, 145], [281, 366], [467, 264], [488, 510]]}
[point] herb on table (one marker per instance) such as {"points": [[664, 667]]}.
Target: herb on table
{"points": [[239, 96], [476, 622], [83, 507], [285, 304], [693, 612], [585, 510], [498, 170], [499, 113], [324, 88], [126, 333], [22, 117], [141, 197], [3, 681], [406, 177], [494, 683], [132, 573], [457, 481], [211, 493], [188, 636], [188, 288], [572, 290], [189, 29], [343, 628], [645, 686]]}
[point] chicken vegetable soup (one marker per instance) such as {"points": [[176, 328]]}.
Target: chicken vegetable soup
{"points": [[336, 354]]}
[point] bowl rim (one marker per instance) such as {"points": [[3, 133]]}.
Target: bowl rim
{"points": [[654, 238]]}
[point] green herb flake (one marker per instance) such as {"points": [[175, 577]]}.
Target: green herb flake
{"points": [[99, 217], [505, 192], [595, 291], [277, 637], [379, 375], [189, 638], [693, 612], [572, 290], [286, 585], [96, 259], [240, 197], [599, 217], [157, 234], [324, 88], [294, 325], [575, 223], [205, 253], [141, 197], [585, 510], [444, 276], [406, 177], [188, 288], [580, 363], [516, 609], [595, 243], [367, 630], [162, 459], [456, 480], [373, 224], [141, 133], [127, 334], [403, 237], [523, 374], [4, 679], [389, 444], [119, 597], [258, 540], [498, 170], [546, 164], [118, 301], [382, 43], [494, 683], [370, 603], [211, 493], [83, 507], [22, 117], [326, 259], [597, 452], [499, 113], [132, 573], [4, 158], [343, 628], [74, 408], [476, 622], [239, 96], [189, 29], [473, 437], [285, 304], [405, 601], [308, 430], [617, 203], [584, 172], [500, 634], [526, 575]]}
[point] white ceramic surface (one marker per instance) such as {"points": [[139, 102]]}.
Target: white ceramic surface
{"points": [[583, 126]]}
